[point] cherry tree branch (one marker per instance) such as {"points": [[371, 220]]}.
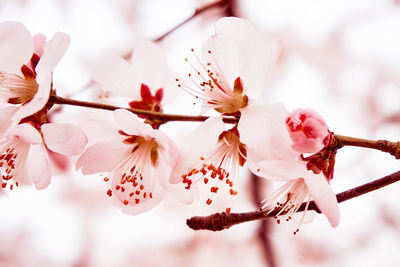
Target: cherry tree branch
{"points": [[198, 11], [149, 114], [382, 145], [221, 221], [392, 148]]}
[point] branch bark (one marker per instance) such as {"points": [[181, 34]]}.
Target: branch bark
{"points": [[221, 221]]}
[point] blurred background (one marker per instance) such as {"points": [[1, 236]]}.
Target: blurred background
{"points": [[341, 58]]}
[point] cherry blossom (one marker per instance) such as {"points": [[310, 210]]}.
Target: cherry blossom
{"points": [[307, 130], [23, 152], [302, 185], [143, 78], [26, 68], [230, 78], [234, 67], [139, 162]]}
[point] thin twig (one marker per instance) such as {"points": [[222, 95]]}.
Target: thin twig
{"points": [[197, 12], [221, 221], [382, 145], [393, 148], [148, 114]]}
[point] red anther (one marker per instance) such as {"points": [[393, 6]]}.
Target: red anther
{"points": [[137, 192], [109, 192], [233, 192], [214, 189], [122, 189], [228, 210], [126, 202], [117, 187], [151, 195], [136, 200], [208, 202], [141, 187], [106, 179], [205, 180]]}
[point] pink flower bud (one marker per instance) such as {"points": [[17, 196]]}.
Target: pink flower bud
{"points": [[307, 130]]}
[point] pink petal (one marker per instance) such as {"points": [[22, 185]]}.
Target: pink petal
{"points": [[280, 170], [263, 131], [38, 166], [64, 138], [103, 157], [16, 46], [130, 124], [150, 63], [202, 140], [177, 190], [6, 114], [143, 206], [322, 194], [224, 46], [117, 75], [257, 56], [39, 41], [27, 133], [53, 52]]}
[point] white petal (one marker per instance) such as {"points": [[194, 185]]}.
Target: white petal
{"points": [[163, 172], [16, 46], [150, 63], [103, 157], [117, 75], [66, 139], [6, 114], [130, 124], [201, 141], [38, 166], [27, 133], [53, 52], [144, 205], [263, 131], [225, 44], [281, 170], [257, 56], [322, 194]]}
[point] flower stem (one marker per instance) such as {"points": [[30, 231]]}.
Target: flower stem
{"points": [[221, 221], [198, 11]]}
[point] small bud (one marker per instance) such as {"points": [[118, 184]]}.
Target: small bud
{"points": [[307, 130]]}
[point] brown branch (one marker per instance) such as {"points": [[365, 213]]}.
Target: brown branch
{"points": [[382, 145], [392, 148], [197, 12], [149, 114], [221, 221]]}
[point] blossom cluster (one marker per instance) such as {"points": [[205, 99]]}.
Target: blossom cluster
{"points": [[143, 164]]}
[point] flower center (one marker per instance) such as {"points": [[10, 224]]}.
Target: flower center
{"points": [[12, 156], [15, 89], [287, 200], [211, 87], [132, 181], [221, 166]]}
